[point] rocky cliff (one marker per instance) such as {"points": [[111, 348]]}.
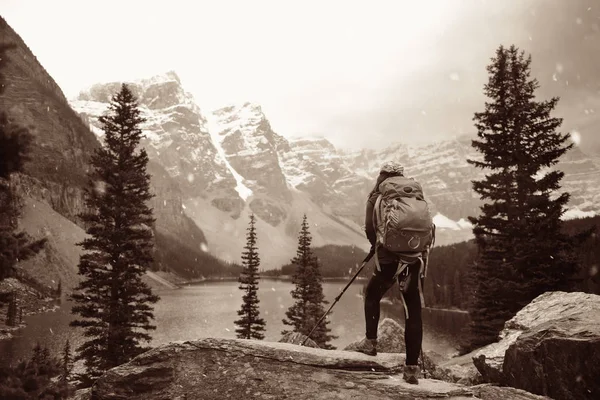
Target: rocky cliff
{"points": [[62, 146], [229, 368], [62, 143]]}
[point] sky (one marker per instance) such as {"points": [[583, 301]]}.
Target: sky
{"points": [[360, 73]]}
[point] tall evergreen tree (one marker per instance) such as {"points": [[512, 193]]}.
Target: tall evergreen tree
{"points": [[114, 305], [15, 146], [308, 293], [522, 251], [250, 325]]}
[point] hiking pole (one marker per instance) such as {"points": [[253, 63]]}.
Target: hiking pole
{"points": [[339, 296]]}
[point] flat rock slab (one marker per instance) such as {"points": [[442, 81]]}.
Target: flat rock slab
{"points": [[248, 369]]}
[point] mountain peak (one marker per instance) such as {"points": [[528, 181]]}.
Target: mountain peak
{"points": [[240, 108], [167, 77]]}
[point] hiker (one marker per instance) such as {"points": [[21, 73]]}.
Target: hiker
{"points": [[401, 256]]}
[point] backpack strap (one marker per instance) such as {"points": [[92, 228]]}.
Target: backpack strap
{"points": [[377, 212], [429, 249], [376, 216]]}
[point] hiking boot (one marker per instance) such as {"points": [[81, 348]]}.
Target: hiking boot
{"points": [[366, 346], [411, 374]]}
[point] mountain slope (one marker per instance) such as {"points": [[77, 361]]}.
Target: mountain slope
{"points": [[63, 144]]}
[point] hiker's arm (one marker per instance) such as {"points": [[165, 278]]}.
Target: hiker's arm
{"points": [[369, 228]]}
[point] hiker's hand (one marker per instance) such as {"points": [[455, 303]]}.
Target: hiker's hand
{"points": [[372, 251]]}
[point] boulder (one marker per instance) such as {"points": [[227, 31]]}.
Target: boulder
{"points": [[298, 338], [390, 338], [237, 368], [559, 359], [549, 343]]}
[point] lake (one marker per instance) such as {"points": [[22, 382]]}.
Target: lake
{"points": [[209, 309]]}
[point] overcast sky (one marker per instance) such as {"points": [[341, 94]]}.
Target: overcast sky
{"points": [[362, 74]]}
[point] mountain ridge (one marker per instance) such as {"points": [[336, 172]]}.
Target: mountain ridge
{"points": [[279, 178]]}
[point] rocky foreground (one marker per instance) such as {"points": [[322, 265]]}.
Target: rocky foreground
{"points": [[235, 368], [551, 347]]}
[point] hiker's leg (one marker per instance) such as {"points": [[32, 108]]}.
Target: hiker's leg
{"points": [[379, 283], [413, 332]]}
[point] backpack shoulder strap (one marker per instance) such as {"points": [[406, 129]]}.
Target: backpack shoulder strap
{"points": [[376, 210]]}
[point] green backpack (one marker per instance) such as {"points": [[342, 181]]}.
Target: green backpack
{"points": [[403, 220]]}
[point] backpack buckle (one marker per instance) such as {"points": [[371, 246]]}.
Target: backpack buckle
{"points": [[411, 240]]}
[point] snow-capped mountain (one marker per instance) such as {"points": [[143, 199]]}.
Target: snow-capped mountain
{"points": [[230, 163], [176, 135]]}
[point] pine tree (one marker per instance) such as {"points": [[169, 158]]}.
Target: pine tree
{"points": [[250, 325], [308, 293], [112, 301], [522, 252]]}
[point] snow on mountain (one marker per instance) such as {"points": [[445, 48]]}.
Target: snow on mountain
{"points": [[574, 213], [240, 187], [175, 135], [250, 146], [443, 222]]}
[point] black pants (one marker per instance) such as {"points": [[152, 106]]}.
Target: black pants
{"points": [[380, 282]]}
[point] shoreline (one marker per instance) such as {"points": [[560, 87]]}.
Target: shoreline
{"points": [[10, 332], [285, 278]]}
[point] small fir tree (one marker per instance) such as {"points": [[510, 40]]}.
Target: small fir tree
{"points": [[250, 325], [112, 302], [12, 312], [522, 251], [308, 293], [67, 363]]}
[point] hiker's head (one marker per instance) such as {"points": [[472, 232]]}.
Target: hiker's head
{"points": [[391, 168]]}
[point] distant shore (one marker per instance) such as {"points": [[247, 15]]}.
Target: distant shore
{"points": [[285, 278]]}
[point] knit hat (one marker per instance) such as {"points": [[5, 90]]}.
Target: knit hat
{"points": [[392, 167]]}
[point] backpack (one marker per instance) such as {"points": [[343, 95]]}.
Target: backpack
{"points": [[403, 221]]}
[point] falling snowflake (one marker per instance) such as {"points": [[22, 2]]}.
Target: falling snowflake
{"points": [[454, 76], [576, 137], [100, 187], [579, 21], [204, 247], [559, 68], [554, 78]]}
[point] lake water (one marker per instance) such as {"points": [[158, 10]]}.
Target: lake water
{"points": [[209, 309]]}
